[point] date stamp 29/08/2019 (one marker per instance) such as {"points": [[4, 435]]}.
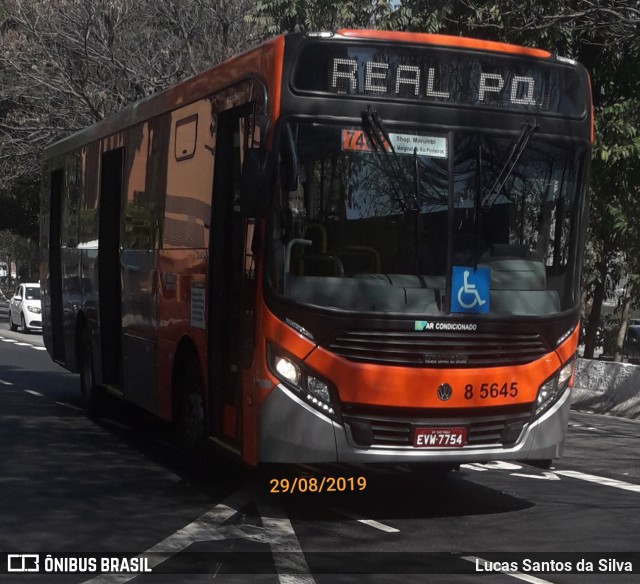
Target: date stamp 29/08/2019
{"points": [[325, 484]]}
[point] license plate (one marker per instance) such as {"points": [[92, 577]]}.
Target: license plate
{"points": [[439, 437]]}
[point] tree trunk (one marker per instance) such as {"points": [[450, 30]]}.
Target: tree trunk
{"points": [[624, 321], [594, 320]]}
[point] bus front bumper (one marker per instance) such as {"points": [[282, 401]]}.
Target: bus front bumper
{"points": [[291, 431]]}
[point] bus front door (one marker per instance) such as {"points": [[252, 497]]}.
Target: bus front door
{"points": [[231, 284]]}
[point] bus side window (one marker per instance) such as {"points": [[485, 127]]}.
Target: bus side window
{"points": [[70, 202], [190, 169], [186, 138]]}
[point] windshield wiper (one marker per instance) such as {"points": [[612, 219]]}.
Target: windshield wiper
{"points": [[477, 209], [528, 129], [381, 143]]}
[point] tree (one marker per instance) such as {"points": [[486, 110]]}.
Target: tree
{"points": [[65, 64], [23, 252], [280, 16], [614, 242]]}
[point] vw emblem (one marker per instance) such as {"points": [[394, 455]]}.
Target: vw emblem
{"points": [[445, 391]]}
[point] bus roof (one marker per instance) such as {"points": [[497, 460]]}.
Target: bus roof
{"points": [[444, 40]]}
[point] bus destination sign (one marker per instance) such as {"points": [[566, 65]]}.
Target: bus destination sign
{"points": [[439, 75]]}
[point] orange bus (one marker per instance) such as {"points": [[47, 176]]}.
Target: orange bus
{"points": [[354, 247]]}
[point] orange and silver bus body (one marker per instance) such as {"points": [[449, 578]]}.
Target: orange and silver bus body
{"points": [[311, 339]]}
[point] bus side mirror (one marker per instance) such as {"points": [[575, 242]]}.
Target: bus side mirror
{"points": [[256, 186]]}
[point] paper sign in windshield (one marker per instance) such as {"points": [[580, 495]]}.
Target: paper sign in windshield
{"points": [[432, 146]]}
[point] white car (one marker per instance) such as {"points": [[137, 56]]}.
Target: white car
{"points": [[25, 309]]}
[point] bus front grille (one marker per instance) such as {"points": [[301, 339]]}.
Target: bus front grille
{"points": [[488, 430], [440, 350]]}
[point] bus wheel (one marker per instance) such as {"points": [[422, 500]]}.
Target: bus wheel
{"points": [[190, 422], [91, 393]]}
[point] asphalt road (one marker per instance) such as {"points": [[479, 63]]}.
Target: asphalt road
{"points": [[117, 486]]}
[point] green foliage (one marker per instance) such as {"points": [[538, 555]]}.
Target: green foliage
{"points": [[20, 207], [279, 16], [618, 132], [21, 250]]}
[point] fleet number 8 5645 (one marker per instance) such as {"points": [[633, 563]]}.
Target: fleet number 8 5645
{"points": [[491, 390]]}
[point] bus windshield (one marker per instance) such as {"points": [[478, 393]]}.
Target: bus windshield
{"points": [[376, 223]]}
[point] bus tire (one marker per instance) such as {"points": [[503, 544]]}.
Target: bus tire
{"points": [[91, 394], [190, 420]]}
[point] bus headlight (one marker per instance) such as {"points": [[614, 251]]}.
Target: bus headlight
{"points": [[551, 390], [288, 370], [318, 388], [309, 385]]}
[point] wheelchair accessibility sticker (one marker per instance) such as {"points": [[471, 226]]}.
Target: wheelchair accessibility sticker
{"points": [[470, 289]]}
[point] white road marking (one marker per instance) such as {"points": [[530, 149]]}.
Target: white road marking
{"points": [[276, 531], [600, 480], [377, 525], [502, 465], [547, 476], [5, 382], [518, 575], [288, 558], [370, 522], [202, 529], [582, 426], [474, 466], [32, 392], [22, 344], [493, 465], [553, 476], [75, 408]]}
